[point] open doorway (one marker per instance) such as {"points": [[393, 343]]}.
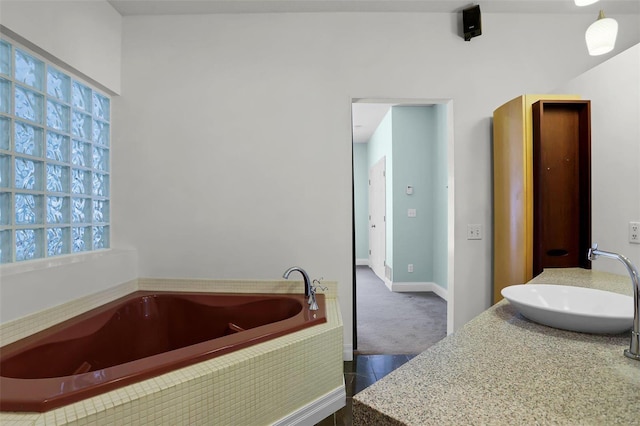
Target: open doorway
{"points": [[408, 227]]}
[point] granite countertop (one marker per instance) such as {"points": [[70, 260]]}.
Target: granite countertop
{"points": [[501, 368]]}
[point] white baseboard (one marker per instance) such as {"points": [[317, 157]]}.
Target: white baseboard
{"points": [[317, 410], [418, 286], [362, 262], [347, 352], [388, 283]]}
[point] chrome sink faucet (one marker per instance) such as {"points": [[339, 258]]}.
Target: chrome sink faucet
{"points": [[634, 346], [309, 290]]}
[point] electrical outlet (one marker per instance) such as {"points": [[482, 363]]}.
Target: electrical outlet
{"points": [[474, 231], [410, 267], [634, 232]]}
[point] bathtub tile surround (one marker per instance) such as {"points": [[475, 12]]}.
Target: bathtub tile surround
{"points": [[232, 286], [17, 329], [22, 327], [256, 385]]}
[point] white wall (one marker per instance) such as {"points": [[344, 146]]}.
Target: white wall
{"points": [[86, 36], [232, 140], [83, 34], [614, 90]]}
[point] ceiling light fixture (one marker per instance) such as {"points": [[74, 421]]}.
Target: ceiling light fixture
{"points": [[601, 35], [584, 2]]}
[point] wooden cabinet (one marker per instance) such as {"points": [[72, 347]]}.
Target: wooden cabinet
{"points": [[542, 186]]}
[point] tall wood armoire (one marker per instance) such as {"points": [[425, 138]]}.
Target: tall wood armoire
{"points": [[541, 186]]}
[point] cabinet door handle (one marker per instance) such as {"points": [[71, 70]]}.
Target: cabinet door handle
{"points": [[557, 252]]}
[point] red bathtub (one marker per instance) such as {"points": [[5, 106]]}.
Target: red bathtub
{"points": [[139, 336]]}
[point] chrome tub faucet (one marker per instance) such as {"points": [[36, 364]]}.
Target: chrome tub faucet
{"points": [[634, 346], [309, 289]]}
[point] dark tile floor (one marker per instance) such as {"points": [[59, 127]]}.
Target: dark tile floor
{"points": [[363, 371]]}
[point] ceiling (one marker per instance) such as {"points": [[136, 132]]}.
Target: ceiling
{"points": [[190, 7], [366, 118]]}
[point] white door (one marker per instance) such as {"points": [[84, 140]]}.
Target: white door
{"points": [[377, 218]]}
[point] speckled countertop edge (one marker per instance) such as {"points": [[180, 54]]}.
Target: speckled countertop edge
{"points": [[586, 278], [501, 368]]}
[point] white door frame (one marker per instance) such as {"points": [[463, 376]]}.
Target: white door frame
{"points": [[450, 186]]}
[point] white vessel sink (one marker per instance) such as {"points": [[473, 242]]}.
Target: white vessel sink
{"points": [[580, 309]]}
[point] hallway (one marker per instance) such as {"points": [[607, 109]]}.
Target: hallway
{"points": [[396, 323]]}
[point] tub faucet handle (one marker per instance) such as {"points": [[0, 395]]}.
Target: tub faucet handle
{"points": [[316, 285]]}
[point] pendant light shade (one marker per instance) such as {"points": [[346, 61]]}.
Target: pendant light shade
{"points": [[601, 35], [584, 2]]}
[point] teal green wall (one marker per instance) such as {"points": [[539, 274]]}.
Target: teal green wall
{"points": [[361, 198], [412, 157], [414, 141]]}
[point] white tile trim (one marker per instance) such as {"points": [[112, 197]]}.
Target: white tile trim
{"points": [[317, 410]]}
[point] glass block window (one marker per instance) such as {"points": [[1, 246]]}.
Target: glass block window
{"points": [[54, 159]]}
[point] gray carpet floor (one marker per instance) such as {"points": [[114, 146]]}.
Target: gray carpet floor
{"points": [[396, 323]]}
